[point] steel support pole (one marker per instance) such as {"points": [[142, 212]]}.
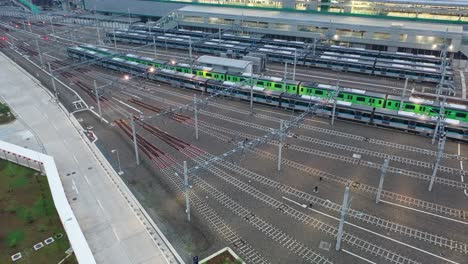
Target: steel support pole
{"points": [[403, 95], [154, 46], [315, 46], [97, 100], [52, 25], [333, 112], [135, 144], [436, 165], [53, 81], [187, 197], [115, 42], [382, 176], [343, 210], [29, 24], [436, 130], [280, 145], [39, 53], [98, 35], [285, 76], [190, 47], [251, 93], [295, 62], [196, 115]]}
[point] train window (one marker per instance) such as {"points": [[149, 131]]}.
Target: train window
{"points": [[278, 85], [302, 89], [380, 101], [360, 99], [318, 92], [260, 83], [408, 106], [340, 95], [423, 108], [461, 115], [208, 74]]}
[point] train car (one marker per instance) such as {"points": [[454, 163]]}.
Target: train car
{"points": [[340, 63]]}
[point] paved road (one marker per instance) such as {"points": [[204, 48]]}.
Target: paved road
{"points": [[113, 230]]}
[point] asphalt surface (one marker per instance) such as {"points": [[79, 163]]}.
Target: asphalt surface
{"points": [[413, 225]]}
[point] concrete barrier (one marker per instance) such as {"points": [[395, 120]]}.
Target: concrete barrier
{"points": [[46, 165]]}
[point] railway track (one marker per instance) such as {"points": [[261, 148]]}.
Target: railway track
{"points": [[358, 215], [406, 200], [201, 156], [167, 165], [322, 130], [348, 159]]}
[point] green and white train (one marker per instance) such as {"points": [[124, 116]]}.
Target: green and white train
{"points": [[418, 113]]}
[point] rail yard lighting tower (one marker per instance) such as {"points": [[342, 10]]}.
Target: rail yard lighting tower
{"points": [[120, 172], [344, 209]]}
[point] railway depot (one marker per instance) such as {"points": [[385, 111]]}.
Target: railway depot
{"points": [[268, 132]]}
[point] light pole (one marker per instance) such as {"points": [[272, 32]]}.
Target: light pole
{"points": [[120, 172]]}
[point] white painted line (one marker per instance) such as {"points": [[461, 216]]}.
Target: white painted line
{"points": [[74, 187], [115, 233], [87, 180], [465, 191], [462, 78], [11, 36], [100, 205], [424, 212], [386, 237], [294, 202], [25, 43], [45, 54], [76, 160], [137, 97], [359, 257], [96, 114], [127, 105]]}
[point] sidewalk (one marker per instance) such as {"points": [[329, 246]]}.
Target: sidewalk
{"points": [[114, 231]]}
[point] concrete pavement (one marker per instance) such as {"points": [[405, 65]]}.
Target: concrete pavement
{"points": [[115, 233]]}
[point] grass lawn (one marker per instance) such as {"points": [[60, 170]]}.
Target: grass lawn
{"points": [[28, 216]]}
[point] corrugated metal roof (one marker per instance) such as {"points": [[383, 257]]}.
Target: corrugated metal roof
{"points": [[301, 18], [219, 61]]}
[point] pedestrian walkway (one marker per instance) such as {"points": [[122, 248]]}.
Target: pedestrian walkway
{"points": [[115, 231]]}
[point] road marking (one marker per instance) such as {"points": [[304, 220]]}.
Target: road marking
{"points": [[100, 205], [357, 256], [11, 36], [25, 43], [137, 97], [115, 233], [76, 160], [462, 78], [127, 105], [424, 212], [74, 187], [45, 54], [102, 118], [465, 191], [380, 235], [87, 180]]}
